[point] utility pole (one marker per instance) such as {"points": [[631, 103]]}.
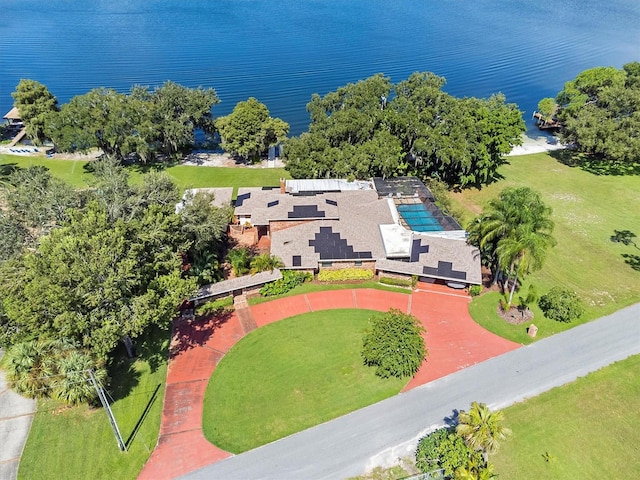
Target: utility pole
{"points": [[107, 408]]}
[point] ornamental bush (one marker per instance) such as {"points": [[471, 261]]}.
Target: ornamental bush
{"points": [[561, 304], [445, 450], [344, 274], [475, 290], [290, 279], [397, 282], [394, 344]]}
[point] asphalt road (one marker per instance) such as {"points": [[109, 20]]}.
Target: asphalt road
{"points": [[16, 413], [379, 434]]}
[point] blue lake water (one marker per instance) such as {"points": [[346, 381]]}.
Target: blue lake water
{"points": [[282, 52]]}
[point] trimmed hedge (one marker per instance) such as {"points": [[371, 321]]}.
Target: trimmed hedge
{"points": [[398, 282], [215, 306], [290, 279], [344, 274]]}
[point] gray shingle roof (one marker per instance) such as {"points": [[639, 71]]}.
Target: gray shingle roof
{"points": [[228, 286]]}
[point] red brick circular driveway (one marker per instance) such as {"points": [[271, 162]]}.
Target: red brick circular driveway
{"points": [[453, 339]]}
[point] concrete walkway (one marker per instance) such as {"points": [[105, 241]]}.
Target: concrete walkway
{"points": [[379, 434], [454, 341], [16, 414]]}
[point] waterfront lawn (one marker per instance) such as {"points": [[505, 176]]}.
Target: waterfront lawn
{"points": [[78, 443], [75, 173], [291, 375], [587, 208], [589, 429]]}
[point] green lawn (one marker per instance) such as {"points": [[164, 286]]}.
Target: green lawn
{"points": [[291, 375], [75, 173], [589, 428], [78, 443], [587, 208]]}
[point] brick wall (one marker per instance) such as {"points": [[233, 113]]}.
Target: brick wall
{"points": [[275, 226]]}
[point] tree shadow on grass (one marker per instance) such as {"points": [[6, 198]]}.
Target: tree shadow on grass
{"points": [[151, 347], [627, 237], [593, 164]]}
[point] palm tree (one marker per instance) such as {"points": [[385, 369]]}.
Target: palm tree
{"points": [[239, 259], [524, 251], [513, 209], [264, 262], [72, 385], [482, 429]]}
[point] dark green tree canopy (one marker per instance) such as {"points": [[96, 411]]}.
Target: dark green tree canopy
{"points": [[375, 128], [35, 103], [249, 130], [600, 112], [145, 123]]}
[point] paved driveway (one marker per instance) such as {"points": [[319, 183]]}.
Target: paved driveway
{"points": [[16, 414], [381, 433]]}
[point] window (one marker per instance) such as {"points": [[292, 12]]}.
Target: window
{"points": [[326, 264], [358, 263]]}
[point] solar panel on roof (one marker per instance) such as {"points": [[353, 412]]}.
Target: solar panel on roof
{"points": [[296, 261], [305, 211], [241, 198], [445, 269], [273, 204], [332, 202]]}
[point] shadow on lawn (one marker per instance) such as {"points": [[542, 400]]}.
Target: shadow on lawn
{"points": [[150, 348], [6, 170], [142, 418], [627, 237], [593, 164], [188, 334]]}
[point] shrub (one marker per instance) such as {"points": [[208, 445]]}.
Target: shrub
{"points": [[398, 282], [444, 449], [290, 279], [561, 305], [475, 290], [53, 369], [394, 344], [215, 306], [344, 274]]}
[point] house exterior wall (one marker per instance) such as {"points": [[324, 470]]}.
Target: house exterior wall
{"points": [[339, 265], [277, 225]]}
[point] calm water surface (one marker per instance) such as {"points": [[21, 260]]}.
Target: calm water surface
{"points": [[283, 51]]}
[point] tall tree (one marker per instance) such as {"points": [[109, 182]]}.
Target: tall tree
{"points": [[482, 429], [513, 208], [373, 128], [600, 112], [249, 130], [37, 200], [35, 103], [178, 111], [93, 281]]}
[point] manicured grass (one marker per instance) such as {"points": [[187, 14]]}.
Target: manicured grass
{"points": [[587, 208], [589, 428], [75, 173], [78, 443], [310, 287], [291, 375], [71, 171]]}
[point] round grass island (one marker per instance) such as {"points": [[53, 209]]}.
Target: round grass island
{"points": [[291, 375]]}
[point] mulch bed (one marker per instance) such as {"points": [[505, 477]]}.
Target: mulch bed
{"points": [[514, 315]]}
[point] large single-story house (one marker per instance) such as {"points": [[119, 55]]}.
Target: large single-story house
{"points": [[392, 227]]}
